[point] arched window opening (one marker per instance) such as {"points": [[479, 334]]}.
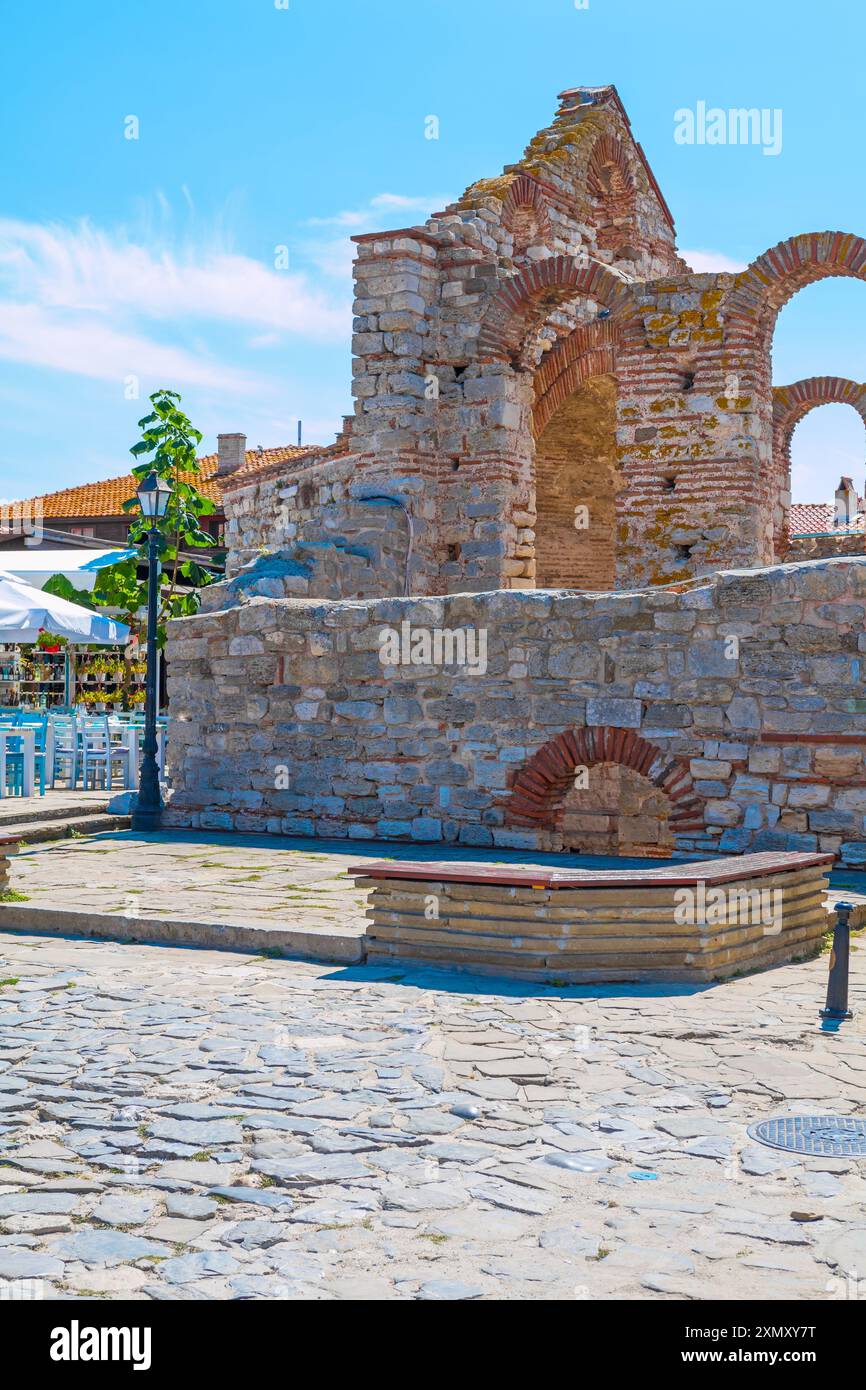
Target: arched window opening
{"points": [[576, 482], [612, 193], [827, 444]]}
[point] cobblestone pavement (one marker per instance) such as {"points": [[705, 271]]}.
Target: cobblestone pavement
{"points": [[192, 1124]]}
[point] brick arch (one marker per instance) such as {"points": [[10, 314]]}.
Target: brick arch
{"points": [[611, 187], [588, 351], [791, 404], [540, 786], [525, 301], [524, 195], [776, 276]]}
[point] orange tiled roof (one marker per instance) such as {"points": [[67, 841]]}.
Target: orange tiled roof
{"points": [[819, 519], [107, 498]]}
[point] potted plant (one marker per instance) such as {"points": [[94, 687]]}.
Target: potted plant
{"points": [[49, 642]]}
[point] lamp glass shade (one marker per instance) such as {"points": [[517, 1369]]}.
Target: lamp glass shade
{"points": [[153, 496]]}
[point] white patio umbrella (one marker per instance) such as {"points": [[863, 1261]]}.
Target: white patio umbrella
{"points": [[26, 611]]}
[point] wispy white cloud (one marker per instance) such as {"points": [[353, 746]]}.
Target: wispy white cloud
{"points": [[383, 206], [170, 300], [89, 346], [91, 271], [84, 300], [712, 261], [333, 255]]}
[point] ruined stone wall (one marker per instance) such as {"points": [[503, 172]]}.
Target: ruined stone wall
{"points": [[430, 375], [474, 337], [442, 413], [695, 438], [387, 524], [826, 547], [739, 699]]}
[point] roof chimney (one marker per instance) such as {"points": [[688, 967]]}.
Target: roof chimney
{"points": [[231, 453], [846, 502]]}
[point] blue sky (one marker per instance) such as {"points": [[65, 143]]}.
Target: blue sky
{"points": [[263, 127]]}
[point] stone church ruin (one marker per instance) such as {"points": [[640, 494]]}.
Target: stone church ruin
{"points": [[566, 439]]}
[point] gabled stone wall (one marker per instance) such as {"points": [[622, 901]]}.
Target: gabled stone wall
{"points": [[739, 699]]}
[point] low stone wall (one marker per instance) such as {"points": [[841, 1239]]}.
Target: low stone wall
{"points": [[706, 922], [7, 849], [737, 701], [826, 547]]}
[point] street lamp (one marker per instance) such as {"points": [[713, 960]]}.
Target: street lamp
{"points": [[154, 494]]}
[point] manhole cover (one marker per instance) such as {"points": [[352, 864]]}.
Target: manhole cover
{"points": [[814, 1134]]}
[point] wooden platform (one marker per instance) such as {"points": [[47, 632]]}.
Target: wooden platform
{"points": [[699, 922]]}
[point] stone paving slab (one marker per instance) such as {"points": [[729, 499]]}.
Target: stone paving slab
{"points": [[212, 890], [59, 801], [191, 1124]]}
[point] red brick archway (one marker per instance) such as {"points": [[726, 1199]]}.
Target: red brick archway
{"points": [[539, 787], [588, 351], [790, 405], [776, 276], [527, 299]]}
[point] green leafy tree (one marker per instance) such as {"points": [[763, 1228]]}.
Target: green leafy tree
{"points": [[172, 441], [61, 587]]}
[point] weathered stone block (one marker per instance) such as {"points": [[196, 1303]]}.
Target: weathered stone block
{"points": [[618, 713]]}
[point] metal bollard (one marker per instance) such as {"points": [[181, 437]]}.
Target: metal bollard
{"points": [[837, 985]]}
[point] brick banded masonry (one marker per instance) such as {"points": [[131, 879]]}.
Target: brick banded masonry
{"points": [[707, 923], [732, 709]]}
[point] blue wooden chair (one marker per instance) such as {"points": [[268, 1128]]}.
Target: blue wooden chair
{"points": [[15, 756]]}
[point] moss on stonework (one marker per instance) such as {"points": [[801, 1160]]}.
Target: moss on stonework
{"points": [[677, 577], [488, 188]]}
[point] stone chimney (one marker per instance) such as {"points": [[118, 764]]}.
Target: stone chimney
{"points": [[846, 502], [231, 453]]}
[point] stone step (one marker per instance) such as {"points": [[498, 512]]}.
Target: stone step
{"points": [[13, 813], [34, 831]]}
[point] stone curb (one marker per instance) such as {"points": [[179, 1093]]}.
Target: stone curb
{"points": [[327, 946]]}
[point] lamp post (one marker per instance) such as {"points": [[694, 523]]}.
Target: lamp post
{"points": [[154, 495]]}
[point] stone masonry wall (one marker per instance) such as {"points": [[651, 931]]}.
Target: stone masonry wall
{"points": [[741, 698], [826, 547]]}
